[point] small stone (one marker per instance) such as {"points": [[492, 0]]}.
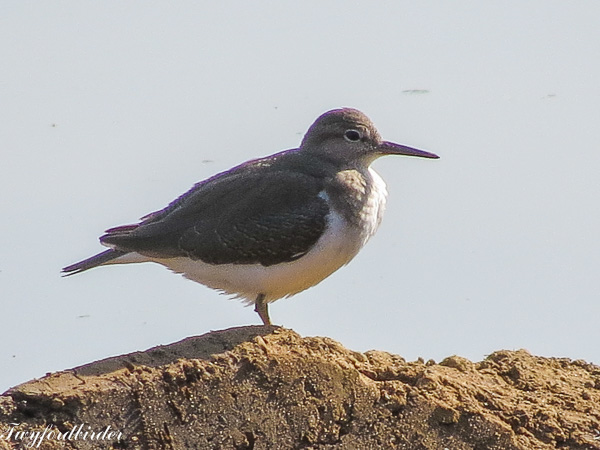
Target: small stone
{"points": [[445, 415]]}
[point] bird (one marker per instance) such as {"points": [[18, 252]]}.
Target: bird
{"points": [[271, 227]]}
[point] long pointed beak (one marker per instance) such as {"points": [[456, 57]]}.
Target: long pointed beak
{"points": [[389, 148]]}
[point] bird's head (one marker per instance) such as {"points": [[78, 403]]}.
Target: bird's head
{"points": [[347, 136]]}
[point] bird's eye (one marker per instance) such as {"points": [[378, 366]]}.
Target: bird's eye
{"points": [[352, 135]]}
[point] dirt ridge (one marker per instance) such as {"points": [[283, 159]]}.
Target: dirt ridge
{"points": [[269, 388]]}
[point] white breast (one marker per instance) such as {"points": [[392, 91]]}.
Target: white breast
{"points": [[375, 205]]}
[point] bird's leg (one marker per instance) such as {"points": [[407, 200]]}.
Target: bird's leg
{"points": [[262, 308]]}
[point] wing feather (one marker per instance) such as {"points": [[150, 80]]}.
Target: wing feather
{"points": [[244, 217]]}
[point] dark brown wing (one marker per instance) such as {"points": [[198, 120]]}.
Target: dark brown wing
{"points": [[244, 217]]}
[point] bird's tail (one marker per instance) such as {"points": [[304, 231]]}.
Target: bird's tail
{"points": [[94, 261]]}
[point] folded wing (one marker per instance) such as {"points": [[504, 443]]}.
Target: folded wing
{"points": [[246, 217]]}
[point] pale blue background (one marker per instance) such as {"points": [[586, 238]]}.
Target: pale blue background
{"points": [[111, 109]]}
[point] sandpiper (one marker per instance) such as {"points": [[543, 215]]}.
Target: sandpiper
{"points": [[270, 227]]}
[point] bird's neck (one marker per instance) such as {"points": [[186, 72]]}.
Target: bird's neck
{"points": [[358, 194]]}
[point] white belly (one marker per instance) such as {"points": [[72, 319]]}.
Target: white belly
{"points": [[338, 245]]}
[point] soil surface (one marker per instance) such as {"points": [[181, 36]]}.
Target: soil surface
{"points": [[269, 388]]}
